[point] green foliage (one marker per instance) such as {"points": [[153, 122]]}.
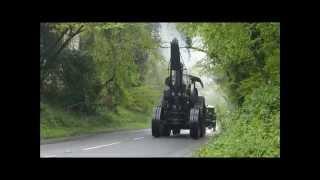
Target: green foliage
{"points": [[108, 70], [252, 131], [101, 84], [80, 90], [117, 47], [246, 59], [238, 51], [142, 98]]}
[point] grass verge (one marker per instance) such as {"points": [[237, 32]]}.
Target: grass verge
{"points": [[56, 123], [244, 137]]}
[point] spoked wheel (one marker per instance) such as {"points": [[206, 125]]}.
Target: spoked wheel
{"points": [[195, 129], [155, 124]]}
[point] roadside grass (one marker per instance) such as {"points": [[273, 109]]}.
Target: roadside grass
{"points": [[56, 123], [252, 130], [243, 140]]}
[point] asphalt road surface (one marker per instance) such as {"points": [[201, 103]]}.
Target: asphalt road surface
{"points": [[134, 143]]}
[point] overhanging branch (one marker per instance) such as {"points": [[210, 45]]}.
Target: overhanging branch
{"points": [[188, 47], [72, 35], [215, 56]]}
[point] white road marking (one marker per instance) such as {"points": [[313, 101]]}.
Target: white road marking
{"points": [[48, 156], [138, 138], [100, 146]]}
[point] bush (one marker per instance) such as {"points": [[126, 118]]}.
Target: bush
{"points": [[141, 98], [251, 131], [80, 87], [55, 122]]}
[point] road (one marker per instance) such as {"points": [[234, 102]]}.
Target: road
{"points": [[134, 143]]}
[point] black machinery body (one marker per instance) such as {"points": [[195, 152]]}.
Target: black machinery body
{"points": [[181, 107]]}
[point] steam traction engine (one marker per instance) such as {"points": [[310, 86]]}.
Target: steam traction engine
{"points": [[181, 107]]}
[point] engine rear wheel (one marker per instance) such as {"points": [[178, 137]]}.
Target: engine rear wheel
{"points": [[202, 114], [165, 131], [155, 128], [155, 123], [195, 129], [203, 130]]}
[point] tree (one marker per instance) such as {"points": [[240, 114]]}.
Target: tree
{"points": [[112, 60], [52, 43], [246, 59]]}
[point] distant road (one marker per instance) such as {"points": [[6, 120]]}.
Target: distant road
{"points": [[134, 143]]}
